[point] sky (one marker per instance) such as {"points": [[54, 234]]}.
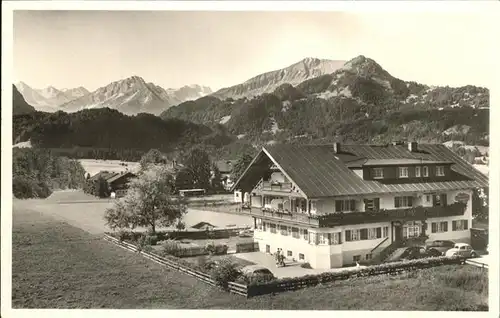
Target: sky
{"points": [[219, 49]]}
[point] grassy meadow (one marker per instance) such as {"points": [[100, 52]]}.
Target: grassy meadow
{"points": [[56, 265]]}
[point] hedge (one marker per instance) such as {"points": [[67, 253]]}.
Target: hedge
{"points": [[369, 271]]}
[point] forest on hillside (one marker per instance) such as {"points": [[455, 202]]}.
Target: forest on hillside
{"points": [[37, 172]]}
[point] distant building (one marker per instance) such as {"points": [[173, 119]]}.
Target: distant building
{"points": [[203, 226], [335, 205], [116, 182], [225, 167]]}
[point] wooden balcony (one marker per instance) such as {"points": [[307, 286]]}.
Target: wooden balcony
{"points": [[279, 187], [337, 219]]}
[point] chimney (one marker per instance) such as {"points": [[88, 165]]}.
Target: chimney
{"points": [[336, 147], [412, 146]]}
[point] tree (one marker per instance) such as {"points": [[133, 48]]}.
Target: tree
{"points": [[184, 180], [240, 166], [102, 190], [150, 202], [216, 179], [198, 163], [153, 156]]}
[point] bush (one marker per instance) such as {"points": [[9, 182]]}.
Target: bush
{"points": [[224, 272], [306, 265], [170, 247], [151, 239], [213, 249]]}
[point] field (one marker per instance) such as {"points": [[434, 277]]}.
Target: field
{"points": [[93, 166], [56, 265]]}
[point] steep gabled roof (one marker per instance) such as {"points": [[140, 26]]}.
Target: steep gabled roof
{"points": [[119, 176], [104, 174], [320, 172]]}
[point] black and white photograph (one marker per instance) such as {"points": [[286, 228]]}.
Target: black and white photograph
{"points": [[326, 156]]}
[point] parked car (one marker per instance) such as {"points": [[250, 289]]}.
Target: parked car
{"points": [[440, 245], [463, 250], [416, 252], [257, 272]]}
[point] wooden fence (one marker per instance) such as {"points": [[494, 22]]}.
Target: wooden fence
{"points": [[233, 287]]}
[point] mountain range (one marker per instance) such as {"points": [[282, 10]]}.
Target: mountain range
{"points": [[312, 101], [294, 74], [19, 104], [129, 96]]}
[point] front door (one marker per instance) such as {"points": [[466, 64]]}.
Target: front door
{"points": [[398, 232]]}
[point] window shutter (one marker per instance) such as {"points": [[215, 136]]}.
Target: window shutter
{"points": [[353, 205], [396, 202], [443, 199], [434, 227], [376, 204], [329, 239], [410, 201], [466, 224], [348, 235], [364, 234], [339, 238], [454, 225], [338, 206], [379, 232], [445, 226]]}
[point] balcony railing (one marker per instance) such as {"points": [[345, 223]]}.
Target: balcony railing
{"points": [[336, 219], [276, 186]]}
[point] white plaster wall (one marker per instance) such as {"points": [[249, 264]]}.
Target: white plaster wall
{"points": [[457, 236], [286, 243]]}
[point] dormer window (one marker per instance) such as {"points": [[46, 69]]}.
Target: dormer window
{"points": [[378, 173], [426, 171], [440, 171], [417, 172], [403, 172]]}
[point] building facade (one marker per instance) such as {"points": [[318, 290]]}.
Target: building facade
{"points": [[334, 205]]}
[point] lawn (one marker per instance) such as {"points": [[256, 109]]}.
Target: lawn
{"points": [[56, 265]]}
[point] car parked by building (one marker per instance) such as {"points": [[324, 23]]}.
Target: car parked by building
{"points": [[440, 245], [416, 252], [462, 250]]}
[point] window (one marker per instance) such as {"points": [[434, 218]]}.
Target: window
{"points": [[378, 173], [335, 238], [356, 258], [273, 228], [264, 226], [345, 205], [368, 256], [372, 233], [460, 225], [301, 256], [403, 172], [417, 172], [259, 224], [289, 231], [439, 227], [403, 202], [439, 199], [295, 232], [439, 171], [323, 238], [303, 233], [313, 238], [411, 229], [427, 198], [289, 253], [386, 231], [372, 204], [283, 230], [425, 171], [365, 234]]}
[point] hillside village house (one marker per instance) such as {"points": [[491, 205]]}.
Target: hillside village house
{"points": [[335, 205], [225, 167]]}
